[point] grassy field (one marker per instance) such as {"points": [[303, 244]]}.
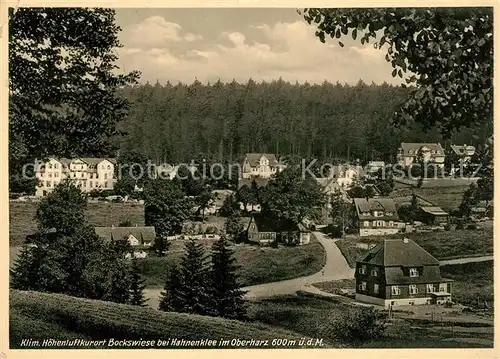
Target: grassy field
{"points": [[257, 264], [473, 282], [446, 197], [40, 315], [310, 316], [22, 214], [442, 245]]}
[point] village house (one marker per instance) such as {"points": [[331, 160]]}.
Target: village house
{"points": [[346, 175], [377, 216], [399, 272], [263, 231], [431, 153], [433, 215], [136, 236], [86, 172], [463, 152], [262, 165], [373, 167]]}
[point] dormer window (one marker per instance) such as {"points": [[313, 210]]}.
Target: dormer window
{"points": [[413, 272], [362, 269], [374, 272]]}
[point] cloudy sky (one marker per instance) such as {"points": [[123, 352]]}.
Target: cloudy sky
{"points": [[262, 44]]}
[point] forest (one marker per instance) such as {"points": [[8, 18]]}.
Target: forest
{"points": [[222, 121]]}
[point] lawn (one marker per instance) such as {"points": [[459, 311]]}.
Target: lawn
{"points": [[473, 282], [446, 197], [22, 214], [442, 245], [310, 316], [257, 264], [41, 316]]}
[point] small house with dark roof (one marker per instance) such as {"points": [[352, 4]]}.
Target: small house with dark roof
{"points": [[432, 153], [265, 231], [433, 215], [136, 236], [400, 272], [262, 165], [377, 216]]}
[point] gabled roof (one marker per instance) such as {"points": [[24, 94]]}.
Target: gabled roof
{"points": [[143, 234], [414, 147], [398, 253], [93, 161], [383, 204], [265, 224], [254, 159]]}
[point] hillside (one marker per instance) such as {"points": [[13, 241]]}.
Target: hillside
{"points": [[22, 214], [43, 316]]}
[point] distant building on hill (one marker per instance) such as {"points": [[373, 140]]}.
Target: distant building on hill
{"points": [[86, 172], [399, 272], [136, 236], [432, 153]]}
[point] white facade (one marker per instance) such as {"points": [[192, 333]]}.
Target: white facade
{"points": [[386, 303], [89, 174], [363, 232], [345, 176], [432, 153], [260, 165]]}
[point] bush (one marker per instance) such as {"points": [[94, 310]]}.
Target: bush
{"points": [[447, 227], [211, 230], [356, 325]]}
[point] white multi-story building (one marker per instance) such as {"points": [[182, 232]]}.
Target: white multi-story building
{"points": [[260, 165], [431, 153], [87, 173]]}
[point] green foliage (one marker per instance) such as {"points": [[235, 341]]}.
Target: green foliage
{"points": [[229, 207], [358, 324], [76, 72], [204, 199], [166, 207], [422, 44], [125, 186], [136, 285], [62, 209], [172, 297], [233, 227], [470, 198], [361, 192], [289, 197], [342, 212], [225, 292]]}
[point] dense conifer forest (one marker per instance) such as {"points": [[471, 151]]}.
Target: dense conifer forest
{"points": [[176, 122]]}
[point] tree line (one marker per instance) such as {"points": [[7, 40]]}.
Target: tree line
{"points": [[222, 121]]}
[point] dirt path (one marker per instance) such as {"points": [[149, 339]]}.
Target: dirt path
{"points": [[466, 260]]}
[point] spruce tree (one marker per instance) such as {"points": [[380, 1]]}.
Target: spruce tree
{"points": [[136, 285], [227, 297], [194, 273], [171, 299]]}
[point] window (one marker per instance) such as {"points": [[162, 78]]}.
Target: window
{"points": [[109, 167], [374, 272], [48, 183], [55, 165], [413, 289], [90, 184], [362, 269], [375, 288], [50, 165], [375, 223], [443, 287], [253, 226], [391, 224], [430, 288], [81, 175], [366, 223], [74, 174], [395, 290], [381, 223], [105, 176], [413, 272], [56, 174], [50, 175], [362, 286]]}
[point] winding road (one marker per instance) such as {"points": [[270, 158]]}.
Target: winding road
{"points": [[336, 267]]}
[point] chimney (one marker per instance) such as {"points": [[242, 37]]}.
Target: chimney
{"points": [[405, 240]]}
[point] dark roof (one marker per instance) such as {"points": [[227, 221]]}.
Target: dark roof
{"points": [[385, 204], [397, 252], [414, 147], [428, 274], [93, 161], [143, 234], [261, 182], [254, 159]]}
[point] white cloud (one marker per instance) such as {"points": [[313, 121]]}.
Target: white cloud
{"points": [[156, 31], [287, 50]]}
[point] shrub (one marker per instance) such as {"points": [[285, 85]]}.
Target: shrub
{"points": [[211, 230], [356, 325], [447, 227]]}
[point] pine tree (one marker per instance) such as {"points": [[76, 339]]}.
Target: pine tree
{"points": [[227, 297], [194, 272], [171, 299], [136, 285], [233, 227]]}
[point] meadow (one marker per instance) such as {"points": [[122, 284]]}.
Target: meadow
{"points": [[40, 316], [442, 244], [22, 217]]}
